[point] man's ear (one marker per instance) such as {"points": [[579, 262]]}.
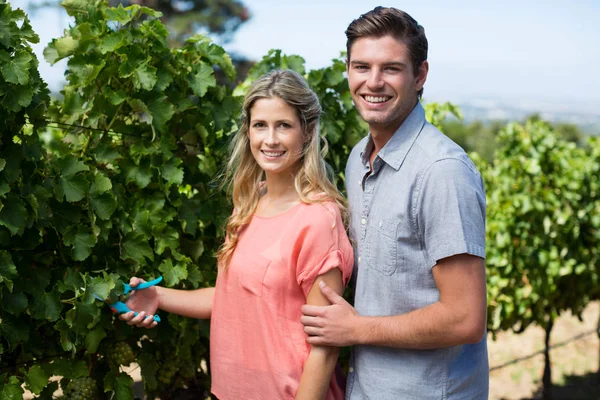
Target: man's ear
{"points": [[422, 76]]}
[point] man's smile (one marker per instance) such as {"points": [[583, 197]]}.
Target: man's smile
{"points": [[376, 99]]}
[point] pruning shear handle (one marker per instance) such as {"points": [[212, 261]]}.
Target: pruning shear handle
{"points": [[119, 307], [143, 285]]}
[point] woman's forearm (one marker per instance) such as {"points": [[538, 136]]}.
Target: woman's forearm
{"points": [[318, 372], [188, 303]]}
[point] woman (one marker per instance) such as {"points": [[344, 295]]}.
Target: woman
{"points": [[286, 234]]}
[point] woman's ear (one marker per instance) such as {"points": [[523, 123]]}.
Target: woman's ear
{"points": [[307, 138]]}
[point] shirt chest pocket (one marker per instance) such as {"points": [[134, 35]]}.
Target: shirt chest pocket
{"points": [[381, 245], [251, 276]]}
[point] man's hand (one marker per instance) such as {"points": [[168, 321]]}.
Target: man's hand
{"points": [[333, 325]]}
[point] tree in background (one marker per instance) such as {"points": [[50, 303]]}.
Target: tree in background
{"points": [[565, 130], [543, 227], [184, 18], [480, 136], [476, 136]]}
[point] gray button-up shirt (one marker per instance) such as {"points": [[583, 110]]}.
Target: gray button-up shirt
{"points": [[424, 201]]}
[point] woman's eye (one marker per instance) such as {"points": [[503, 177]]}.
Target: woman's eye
{"points": [[284, 125], [258, 125]]}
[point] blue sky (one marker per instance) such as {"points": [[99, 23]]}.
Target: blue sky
{"points": [[538, 50]]}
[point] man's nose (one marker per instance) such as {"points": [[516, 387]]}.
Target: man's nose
{"points": [[375, 79]]}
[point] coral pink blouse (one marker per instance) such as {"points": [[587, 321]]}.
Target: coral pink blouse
{"points": [[257, 344]]}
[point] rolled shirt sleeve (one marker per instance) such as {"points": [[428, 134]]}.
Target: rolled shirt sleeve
{"points": [[322, 245], [450, 210]]}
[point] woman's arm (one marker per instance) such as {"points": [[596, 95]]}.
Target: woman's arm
{"points": [[319, 367], [188, 303]]}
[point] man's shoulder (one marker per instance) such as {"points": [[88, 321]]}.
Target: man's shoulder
{"points": [[434, 145], [435, 154]]}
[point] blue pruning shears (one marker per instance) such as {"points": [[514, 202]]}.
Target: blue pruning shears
{"points": [[119, 307]]}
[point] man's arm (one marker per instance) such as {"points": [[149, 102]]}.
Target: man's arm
{"points": [[459, 317]]}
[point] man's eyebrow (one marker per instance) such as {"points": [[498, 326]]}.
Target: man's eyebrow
{"points": [[395, 64], [386, 64]]}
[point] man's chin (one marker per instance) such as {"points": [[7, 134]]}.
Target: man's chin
{"points": [[377, 120]]}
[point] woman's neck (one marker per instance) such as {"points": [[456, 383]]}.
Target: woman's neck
{"points": [[280, 186], [280, 195]]}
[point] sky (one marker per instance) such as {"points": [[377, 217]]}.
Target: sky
{"points": [[533, 50]]}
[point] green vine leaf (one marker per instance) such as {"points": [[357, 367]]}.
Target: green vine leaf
{"points": [[14, 303], [136, 248], [81, 240], [46, 306], [172, 274], [11, 390], [202, 78], [36, 379], [93, 339], [13, 214], [73, 187], [16, 69]]}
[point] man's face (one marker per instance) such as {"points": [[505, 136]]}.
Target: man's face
{"points": [[382, 82]]}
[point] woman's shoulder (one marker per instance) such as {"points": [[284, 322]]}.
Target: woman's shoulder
{"points": [[324, 209]]}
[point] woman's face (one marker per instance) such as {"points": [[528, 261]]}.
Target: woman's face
{"points": [[276, 136]]}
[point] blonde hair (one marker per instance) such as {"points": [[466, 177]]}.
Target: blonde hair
{"points": [[244, 176]]}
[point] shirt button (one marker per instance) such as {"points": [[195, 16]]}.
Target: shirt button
{"points": [[359, 259], [363, 221], [351, 370]]}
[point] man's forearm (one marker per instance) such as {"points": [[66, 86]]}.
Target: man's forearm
{"points": [[434, 326]]}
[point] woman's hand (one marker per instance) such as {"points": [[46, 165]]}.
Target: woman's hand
{"points": [[145, 302]]}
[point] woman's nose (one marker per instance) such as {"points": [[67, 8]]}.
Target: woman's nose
{"points": [[271, 137]]}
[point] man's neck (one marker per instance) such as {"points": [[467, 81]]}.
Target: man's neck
{"points": [[380, 138], [382, 133]]}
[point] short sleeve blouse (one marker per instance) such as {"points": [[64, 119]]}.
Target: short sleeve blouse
{"points": [[258, 345]]}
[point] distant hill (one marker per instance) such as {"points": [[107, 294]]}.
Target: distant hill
{"points": [[586, 115]]}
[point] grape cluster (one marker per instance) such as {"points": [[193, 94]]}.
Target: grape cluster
{"points": [[188, 369], [167, 371], [81, 389], [120, 354]]}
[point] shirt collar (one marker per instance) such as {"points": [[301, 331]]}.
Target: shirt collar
{"points": [[395, 150]]}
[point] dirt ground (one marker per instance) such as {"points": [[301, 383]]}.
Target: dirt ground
{"points": [[574, 357], [517, 364]]}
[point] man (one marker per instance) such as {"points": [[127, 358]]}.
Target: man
{"points": [[417, 208]]}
